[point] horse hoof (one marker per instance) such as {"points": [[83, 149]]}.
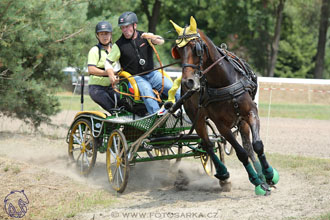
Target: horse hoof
{"points": [[275, 179], [225, 185], [222, 177], [262, 190]]}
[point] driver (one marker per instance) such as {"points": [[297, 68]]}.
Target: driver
{"points": [[135, 55]]}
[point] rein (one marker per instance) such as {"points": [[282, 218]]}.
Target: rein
{"points": [[142, 73], [212, 65], [158, 94]]}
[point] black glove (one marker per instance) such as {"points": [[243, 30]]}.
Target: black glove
{"points": [[168, 105]]}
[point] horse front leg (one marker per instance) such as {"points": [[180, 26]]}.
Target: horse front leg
{"points": [[221, 171], [271, 174], [244, 130], [260, 187]]}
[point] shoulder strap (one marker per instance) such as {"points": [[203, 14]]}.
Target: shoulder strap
{"points": [[98, 46]]}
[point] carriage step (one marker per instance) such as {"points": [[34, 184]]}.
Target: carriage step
{"points": [[174, 138]]}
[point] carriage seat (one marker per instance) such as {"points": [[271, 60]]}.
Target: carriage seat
{"points": [[133, 103], [132, 87]]}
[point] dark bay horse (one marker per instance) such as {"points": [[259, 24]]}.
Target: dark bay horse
{"points": [[224, 95]]}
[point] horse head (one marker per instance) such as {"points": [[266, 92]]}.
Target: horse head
{"points": [[192, 50], [197, 52]]}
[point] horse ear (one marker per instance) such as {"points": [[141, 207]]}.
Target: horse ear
{"points": [[175, 53], [193, 24], [178, 29]]}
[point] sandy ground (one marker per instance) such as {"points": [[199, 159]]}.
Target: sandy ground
{"points": [[37, 163]]}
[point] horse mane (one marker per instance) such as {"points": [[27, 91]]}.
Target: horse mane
{"points": [[218, 71], [214, 54]]}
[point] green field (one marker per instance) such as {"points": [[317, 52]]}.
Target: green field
{"points": [[310, 111], [72, 102], [304, 111]]}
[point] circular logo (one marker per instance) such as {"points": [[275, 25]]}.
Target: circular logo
{"points": [[142, 62], [16, 204]]}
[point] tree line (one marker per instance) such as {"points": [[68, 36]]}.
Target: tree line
{"points": [[38, 38]]}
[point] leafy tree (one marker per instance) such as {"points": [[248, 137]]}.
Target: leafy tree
{"points": [[323, 28], [35, 44], [297, 44], [277, 32]]}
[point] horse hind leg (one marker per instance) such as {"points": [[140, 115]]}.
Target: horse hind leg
{"points": [[271, 174], [244, 130]]}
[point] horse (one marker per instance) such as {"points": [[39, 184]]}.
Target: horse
{"points": [[223, 94]]}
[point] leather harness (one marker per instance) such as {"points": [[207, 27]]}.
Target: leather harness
{"points": [[209, 95]]}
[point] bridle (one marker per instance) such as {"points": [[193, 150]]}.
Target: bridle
{"points": [[200, 48], [199, 51]]}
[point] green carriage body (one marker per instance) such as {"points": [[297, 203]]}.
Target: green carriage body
{"points": [[128, 138]]}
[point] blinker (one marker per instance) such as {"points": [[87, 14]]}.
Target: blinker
{"points": [[175, 53], [198, 49]]}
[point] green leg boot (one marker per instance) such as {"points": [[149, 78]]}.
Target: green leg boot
{"points": [[258, 168], [222, 173], [271, 174], [260, 187]]}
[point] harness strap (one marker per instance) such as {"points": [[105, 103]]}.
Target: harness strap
{"points": [[190, 65], [228, 92]]}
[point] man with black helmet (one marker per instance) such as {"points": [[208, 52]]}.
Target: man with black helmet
{"points": [[135, 55], [99, 84]]}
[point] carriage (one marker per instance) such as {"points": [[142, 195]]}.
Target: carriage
{"points": [[128, 138], [217, 92]]}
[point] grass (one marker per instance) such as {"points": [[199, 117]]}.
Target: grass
{"points": [[70, 101], [308, 165], [6, 168], [16, 170], [283, 110], [303, 111], [82, 202], [324, 217]]}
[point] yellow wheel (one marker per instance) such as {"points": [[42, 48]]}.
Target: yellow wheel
{"points": [[205, 158], [82, 146], [117, 161]]}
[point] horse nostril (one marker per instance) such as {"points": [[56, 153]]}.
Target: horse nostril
{"points": [[189, 83]]}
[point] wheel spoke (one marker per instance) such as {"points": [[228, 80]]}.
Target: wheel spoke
{"points": [[76, 139], [118, 178], [116, 161], [113, 154], [79, 156], [86, 159], [121, 152], [89, 151], [81, 134], [119, 140], [81, 163], [115, 171], [115, 144], [120, 173], [85, 133], [88, 142], [77, 149]]}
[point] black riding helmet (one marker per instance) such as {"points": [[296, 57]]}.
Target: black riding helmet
{"points": [[103, 26], [127, 18]]}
